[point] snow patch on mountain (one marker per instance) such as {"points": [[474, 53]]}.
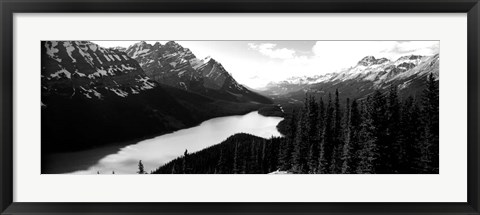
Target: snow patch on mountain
{"points": [[68, 46], [77, 67], [379, 71], [52, 51], [58, 74]]}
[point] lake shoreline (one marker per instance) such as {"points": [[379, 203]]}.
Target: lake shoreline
{"points": [[70, 162], [67, 162]]}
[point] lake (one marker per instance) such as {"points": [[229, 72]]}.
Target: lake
{"points": [[159, 150]]}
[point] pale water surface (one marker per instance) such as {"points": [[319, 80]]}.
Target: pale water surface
{"points": [[159, 150]]}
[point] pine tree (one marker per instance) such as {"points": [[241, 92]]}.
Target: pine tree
{"points": [[338, 142], [285, 157], [321, 121], [285, 161], [263, 158], [185, 162], [221, 165], [379, 121], [367, 154], [355, 122], [392, 130], [140, 168], [300, 145], [313, 136], [327, 146], [431, 116], [347, 148], [410, 138], [236, 168]]}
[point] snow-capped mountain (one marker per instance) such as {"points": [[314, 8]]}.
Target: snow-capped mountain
{"points": [[92, 96], [83, 68], [379, 73], [176, 66]]}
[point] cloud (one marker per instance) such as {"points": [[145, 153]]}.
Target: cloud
{"points": [[414, 47], [336, 55], [269, 50], [332, 56]]}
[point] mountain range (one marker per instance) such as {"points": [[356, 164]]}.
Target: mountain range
{"points": [[409, 73], [176, 66], [92, 96]]}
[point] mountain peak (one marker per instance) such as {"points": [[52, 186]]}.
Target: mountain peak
{"points": [[157, 45], [410, 57], [138, 49], [172, 44], [367, 61], [371, 60], [141, 44], [382, 60], [369, 57], [119, 48], [211, 60]]}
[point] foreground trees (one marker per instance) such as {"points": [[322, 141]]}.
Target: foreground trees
{"points": [[381, 134], [377, 134]]}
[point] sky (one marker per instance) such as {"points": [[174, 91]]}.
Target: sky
{"points": [[256, 63]]}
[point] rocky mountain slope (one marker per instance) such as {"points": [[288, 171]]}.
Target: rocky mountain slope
{"points": [[92, 96], [176, 66], [407, 72]]}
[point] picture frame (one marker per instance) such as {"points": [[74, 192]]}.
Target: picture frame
{"points": [[9, 7]]}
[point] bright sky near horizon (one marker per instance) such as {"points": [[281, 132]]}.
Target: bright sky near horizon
{"points": [[256, 63]]}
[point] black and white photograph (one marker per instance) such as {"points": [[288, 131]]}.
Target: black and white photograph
{"points": [[240, 107]]}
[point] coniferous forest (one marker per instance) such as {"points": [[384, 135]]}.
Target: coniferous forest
{"points": [[381, 133]]}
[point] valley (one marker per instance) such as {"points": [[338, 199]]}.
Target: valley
{"points": [[108, 108]]}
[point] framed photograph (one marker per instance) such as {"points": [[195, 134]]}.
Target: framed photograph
{"points": [[239, 107]]}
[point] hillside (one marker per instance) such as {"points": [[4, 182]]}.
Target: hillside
{"points": [[93, 96], [409, 73], [173, 65]]}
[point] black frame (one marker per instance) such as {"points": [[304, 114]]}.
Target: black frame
{"points": [[9, 7]]}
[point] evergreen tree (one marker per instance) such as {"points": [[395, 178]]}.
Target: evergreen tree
{"points": [[301, 145], [321, 121], [327, 146], [431, 121], [354, 139], [378, 114], [411, 131], [313, 135], [140, 168], [393, 129], [185, 162], [347, 149], [285, 160], [313, 158], [367, 154], [221, 165], [236, 168], [263, 158], [337, 133]]}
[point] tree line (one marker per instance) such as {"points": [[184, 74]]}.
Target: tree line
{"points": [[381, 133], [239, 154], [378, 134]]}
